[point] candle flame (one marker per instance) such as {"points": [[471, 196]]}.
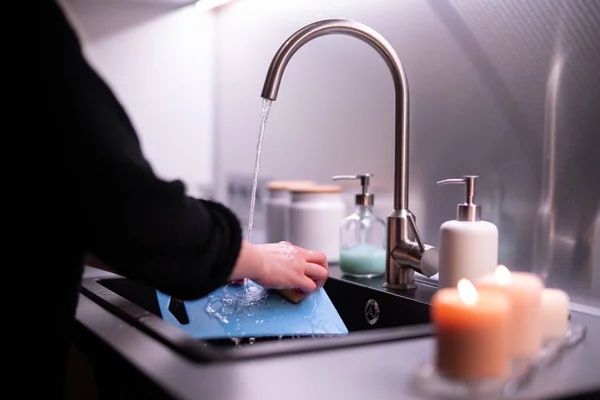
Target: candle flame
{"points": [[502, 275], [467, 292]]}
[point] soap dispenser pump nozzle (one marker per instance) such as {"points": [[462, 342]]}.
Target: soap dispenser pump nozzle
{"points": [[467, 211], [365, 198]]}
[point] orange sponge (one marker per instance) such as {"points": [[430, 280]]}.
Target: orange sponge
{"points": [[292, 295]]}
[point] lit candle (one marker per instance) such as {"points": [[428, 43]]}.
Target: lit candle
{"points": [[555, 314], [471, 330], [525, 293]]}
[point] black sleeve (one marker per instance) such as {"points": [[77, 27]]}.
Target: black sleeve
{"points": [[144, 227]]}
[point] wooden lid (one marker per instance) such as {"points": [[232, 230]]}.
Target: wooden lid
{"points": [[316, 189], [287, 185]]}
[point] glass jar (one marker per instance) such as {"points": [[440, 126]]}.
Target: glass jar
{"points": [[363, 243]]}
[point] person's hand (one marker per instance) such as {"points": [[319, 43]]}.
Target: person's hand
{"points": [[286, 266], [282, 266]]}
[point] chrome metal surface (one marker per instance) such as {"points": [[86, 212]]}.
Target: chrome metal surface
{"points": [[409, 255], [365, 198], [467, 211], [372, 311], [404, 247], [386, 51]]}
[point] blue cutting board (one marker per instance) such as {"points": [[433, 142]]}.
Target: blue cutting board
{"points": [[252, 311]]}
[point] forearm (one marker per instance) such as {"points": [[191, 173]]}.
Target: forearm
{"points": [[186, 253], [249, 263]]}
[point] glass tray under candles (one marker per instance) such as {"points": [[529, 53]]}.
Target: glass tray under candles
{"points": [[429, 382]]}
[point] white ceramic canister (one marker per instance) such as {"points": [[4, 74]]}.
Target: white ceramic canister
{"points": [[315, 214], [277, 206]]}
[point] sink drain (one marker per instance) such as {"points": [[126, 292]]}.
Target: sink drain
{"points": [[371, 311]]}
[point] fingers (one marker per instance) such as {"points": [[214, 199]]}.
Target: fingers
{"points": [[316, 272], [316, 257], [320, 283], [307, 285]]}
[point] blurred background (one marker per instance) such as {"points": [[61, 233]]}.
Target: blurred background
{"points": [[505, 89]]}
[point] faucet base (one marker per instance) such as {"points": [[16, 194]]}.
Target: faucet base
{"points": [[400, 239], [400, 286], [406, 253]]}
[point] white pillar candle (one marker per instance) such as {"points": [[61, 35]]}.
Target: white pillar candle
{"points": [[555, 314], [524, 291]]}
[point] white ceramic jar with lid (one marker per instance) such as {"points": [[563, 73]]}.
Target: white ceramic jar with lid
{"points": [[315, 214], [277, 206]]}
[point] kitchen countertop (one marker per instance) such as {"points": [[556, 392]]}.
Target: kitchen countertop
{"points": [[378, 371]]}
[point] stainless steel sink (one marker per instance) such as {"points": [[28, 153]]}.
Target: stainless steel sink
{"points": [[371, 313]]}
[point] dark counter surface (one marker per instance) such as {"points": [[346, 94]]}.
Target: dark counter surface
{"points": [[378, 371]]}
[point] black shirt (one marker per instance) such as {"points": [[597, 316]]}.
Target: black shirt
{"points": [[106, 199]]}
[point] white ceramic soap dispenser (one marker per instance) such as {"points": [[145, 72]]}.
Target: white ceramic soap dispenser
{"points": [[362, 235], [468, 245]]}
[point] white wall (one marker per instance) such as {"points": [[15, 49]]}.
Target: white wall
{"points": [[158, 59]]}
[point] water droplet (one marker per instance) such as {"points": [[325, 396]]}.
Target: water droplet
{"points": [[233, 305]]}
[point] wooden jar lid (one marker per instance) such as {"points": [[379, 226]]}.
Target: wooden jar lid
{"points": [[287, 185], [316, 189]]}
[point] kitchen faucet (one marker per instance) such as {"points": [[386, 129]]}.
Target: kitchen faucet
{"points": [[405, 251]]}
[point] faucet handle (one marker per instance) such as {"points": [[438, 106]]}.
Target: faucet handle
{"points": [[427, 255], [430, 261], [423, 260]]}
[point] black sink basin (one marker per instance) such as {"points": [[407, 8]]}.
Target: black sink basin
{"points": [[371, 313]]}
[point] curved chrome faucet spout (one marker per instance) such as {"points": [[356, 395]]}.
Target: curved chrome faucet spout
{"points": [[405, 248], [385, 50]]}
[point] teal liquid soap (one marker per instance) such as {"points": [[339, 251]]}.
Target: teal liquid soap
{"points": [[363, 261]]}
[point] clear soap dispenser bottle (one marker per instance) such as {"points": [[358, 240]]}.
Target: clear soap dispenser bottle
{"points": [[362, 235], [468, 245]]}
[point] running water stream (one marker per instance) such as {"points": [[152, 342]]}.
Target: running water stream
{"points": [[264, 114]]}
